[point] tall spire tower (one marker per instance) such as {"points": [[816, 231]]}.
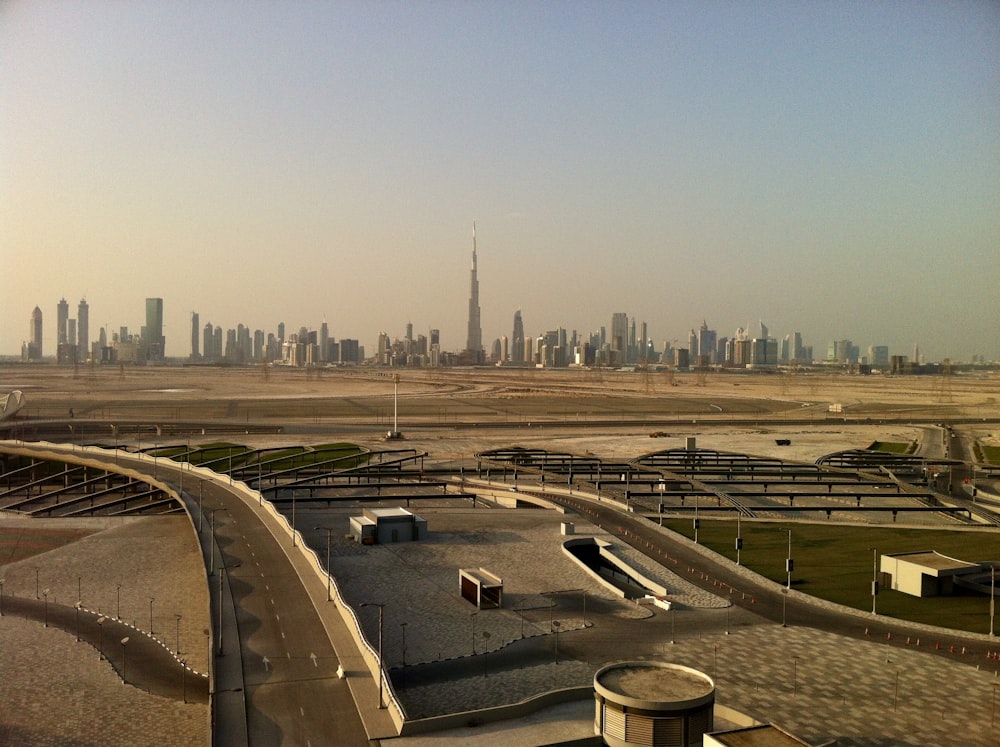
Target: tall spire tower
{"points": [[474, 341]]}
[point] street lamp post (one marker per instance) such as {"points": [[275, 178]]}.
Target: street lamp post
{"points": [[993, 599], [178, 649], [739, 538], [789, 563], [124, 641], [118, 608], [329, 534], [151, 615], [381, 607], [45, 594], [211, 544], [555, 626], [293, 518], [874, 578], [77, 605], [100, 627], [696, 522]]}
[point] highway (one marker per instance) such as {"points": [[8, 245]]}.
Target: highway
{"points": [[275, 668]]}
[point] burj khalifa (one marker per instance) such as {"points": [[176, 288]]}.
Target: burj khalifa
{"points": [[474, 341]]}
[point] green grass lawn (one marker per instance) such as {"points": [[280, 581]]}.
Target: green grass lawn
{"points": [[893, 447], [991, 453], [835, 563]]}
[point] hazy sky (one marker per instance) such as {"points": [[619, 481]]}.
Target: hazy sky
{"points": [[828, 167]]}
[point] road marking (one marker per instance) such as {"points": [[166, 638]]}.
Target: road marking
{"points": [[313, 657], [282, 634], [302, 711], [267, 664]]}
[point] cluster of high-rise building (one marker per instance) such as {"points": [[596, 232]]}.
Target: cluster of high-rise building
{"points": [[75, 345], [626, 342], [307, 347]]}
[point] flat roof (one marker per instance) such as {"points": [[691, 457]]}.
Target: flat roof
{"points": [[389, 513], [934, 560], [483, 576], [765, 735], [658, 683]]}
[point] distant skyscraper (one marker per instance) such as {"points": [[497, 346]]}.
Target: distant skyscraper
{"points": [[324, 342], [83, 330], [474, 341], [195, 329], [155, 344], [33, 349], [517, 339], [707, 339], [619, 332], [62, 314]]}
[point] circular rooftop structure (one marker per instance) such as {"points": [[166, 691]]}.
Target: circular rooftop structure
{"points": [[653, 703]]}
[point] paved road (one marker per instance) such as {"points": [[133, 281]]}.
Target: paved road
{"points": [[763, 599], [283, 672]]}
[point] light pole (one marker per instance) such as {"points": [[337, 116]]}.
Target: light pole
{"points": [[46, 595], [77, 605], [151, 615], [381, 607], [100, 627], [118, 608], [329, 534], [874, 578], [993, 589], [696, 522], [177, 615], [739, 538], [293, 518], [472, 616], [124, 641], [1, 596], [211, 545], [555, 626], [789, 563], [402, 626], [36, 585]]}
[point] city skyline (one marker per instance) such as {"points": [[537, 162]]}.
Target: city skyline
{"points": [[831, 169], [626, 341]]}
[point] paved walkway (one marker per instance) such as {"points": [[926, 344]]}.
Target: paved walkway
{"points": [[56, 691]]}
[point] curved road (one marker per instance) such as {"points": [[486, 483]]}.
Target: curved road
{"points": [[764, 599], [275, 669]]}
